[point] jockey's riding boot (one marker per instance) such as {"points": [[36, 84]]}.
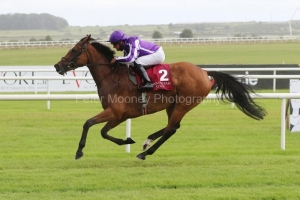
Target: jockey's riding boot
{"points": [[142, 72]]}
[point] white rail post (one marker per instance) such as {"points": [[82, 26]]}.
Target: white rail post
{"points": [[35, 84], [282, 145], [274, 82], [128, 130], [48, 92]]}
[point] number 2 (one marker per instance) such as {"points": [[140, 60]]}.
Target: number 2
{"points": [[164, 74]]}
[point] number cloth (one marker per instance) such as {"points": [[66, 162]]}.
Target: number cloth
{"points": [[160, 76]]}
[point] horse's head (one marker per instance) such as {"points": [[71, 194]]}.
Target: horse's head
{"points": [[76, 57]]}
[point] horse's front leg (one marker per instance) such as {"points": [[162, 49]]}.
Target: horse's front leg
{"points": [[104, 116], [111, 124]]}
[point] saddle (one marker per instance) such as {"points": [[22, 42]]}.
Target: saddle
{"points": [[160, 75]]}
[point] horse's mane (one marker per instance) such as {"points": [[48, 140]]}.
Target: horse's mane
{"points": [[107, 52], [104, 50]]}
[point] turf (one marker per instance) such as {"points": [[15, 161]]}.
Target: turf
{"points": [[218, 153]]}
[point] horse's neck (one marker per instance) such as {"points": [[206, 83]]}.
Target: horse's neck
{"points": [[98, 68]]}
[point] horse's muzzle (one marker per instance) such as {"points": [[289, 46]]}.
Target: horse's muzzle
{"points": [[60, 69]]}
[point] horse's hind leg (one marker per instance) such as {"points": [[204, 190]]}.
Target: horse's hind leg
{"points": [[168, 132], [156, 135], [153, 137], [159, 133]]}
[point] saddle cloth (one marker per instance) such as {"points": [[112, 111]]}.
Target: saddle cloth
{"points": [[160, 75]]}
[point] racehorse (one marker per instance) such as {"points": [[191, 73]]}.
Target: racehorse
{"points": [[189, 81]]}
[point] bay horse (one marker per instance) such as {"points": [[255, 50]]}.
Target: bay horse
{"points": [[188, 80]]}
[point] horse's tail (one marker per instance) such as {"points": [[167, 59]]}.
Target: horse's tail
{"points": [[238, 93]]}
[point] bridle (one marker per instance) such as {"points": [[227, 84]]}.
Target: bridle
{"points": [[72, 62]]}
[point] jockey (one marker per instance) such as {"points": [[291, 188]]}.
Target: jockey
{"points": [[137, 52]]}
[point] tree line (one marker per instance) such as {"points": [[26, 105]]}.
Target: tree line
{"points": [[185, 33], [31, 22]]}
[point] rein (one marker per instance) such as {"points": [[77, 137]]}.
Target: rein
{"points": [[98, 82], [99, 64], [72, 62]]}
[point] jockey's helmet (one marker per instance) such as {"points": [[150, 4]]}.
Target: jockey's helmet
{"points": [[117, 36]]}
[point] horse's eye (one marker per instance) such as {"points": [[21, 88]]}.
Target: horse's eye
{"points": [[73, 50]]}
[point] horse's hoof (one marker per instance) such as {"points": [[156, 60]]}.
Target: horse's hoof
{"points": [[129, 141], [78, 155], [141, 156]]}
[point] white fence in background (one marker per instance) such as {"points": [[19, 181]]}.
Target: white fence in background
{"points": [[204, 40], [48, 96], [82, 80]]}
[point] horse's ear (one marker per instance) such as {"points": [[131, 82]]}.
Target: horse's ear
{"points": [[88, 38]]}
